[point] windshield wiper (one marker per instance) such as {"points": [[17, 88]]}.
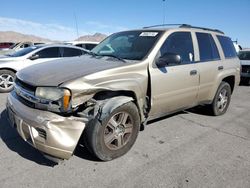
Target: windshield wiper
{"points": [[114, 56]]}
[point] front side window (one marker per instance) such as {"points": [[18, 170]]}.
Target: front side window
{"points": [[207, 47], [227, 46], [71, 52], [179, 43], [131, 45], [52, 52], [244, 55]]}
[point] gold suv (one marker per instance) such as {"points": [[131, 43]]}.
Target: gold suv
{"points": [[106, 96]]}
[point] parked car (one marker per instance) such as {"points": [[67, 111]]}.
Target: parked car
{"points": [[244, 56], [12, 63], [6, 45], [104, 98], [88, 45], [15, 47], [237, 47]]}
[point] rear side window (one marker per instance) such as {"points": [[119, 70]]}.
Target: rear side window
{"points": [[71, 52], [244, 55], [90, 46], [52, 52], [179, 43], [207, 47], [81, 46], [227, 46]]}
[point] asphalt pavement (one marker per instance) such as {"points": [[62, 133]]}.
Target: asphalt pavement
{"points": [[187, 149]]}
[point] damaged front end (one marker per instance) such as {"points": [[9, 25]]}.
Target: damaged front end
{"points": [[57, 135]]}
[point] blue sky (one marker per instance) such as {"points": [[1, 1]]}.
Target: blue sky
{"points": [[56, 19]]}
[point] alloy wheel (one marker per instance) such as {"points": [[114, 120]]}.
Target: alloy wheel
{"points": [[6, 81], [222, 100], [118, 131]]}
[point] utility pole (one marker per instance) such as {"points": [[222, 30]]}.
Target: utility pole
{"points": [[76, 24], [164, 10]]}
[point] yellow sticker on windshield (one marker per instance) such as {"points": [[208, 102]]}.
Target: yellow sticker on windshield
{"points": [[148, 34]]}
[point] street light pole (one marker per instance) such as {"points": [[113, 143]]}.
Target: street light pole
{"points": [[164, 10]]}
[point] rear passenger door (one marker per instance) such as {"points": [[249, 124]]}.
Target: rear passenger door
{"points": [[209, 64], [175, 86]]}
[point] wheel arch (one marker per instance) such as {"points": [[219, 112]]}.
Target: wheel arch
{"points": [[127, 95], [9, 69], [231, 81]]}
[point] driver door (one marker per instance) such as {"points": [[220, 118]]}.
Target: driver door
{"points": [[175, 86]]}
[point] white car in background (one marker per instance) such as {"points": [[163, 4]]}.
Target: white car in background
{"points": [[237, 47], [10, 64], [88, 45], [244, 56]]}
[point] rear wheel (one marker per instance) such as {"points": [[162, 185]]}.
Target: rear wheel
{"points": [[115, 134], [6, 80], [222, 99]]}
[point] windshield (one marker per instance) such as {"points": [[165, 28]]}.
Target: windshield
{"points": [[244, 55], [131, 45], [23, 51], [14, 45]]}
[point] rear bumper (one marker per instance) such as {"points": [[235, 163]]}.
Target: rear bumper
{"points": [[46, 131]]}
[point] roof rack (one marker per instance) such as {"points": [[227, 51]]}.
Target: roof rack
{"points": [[203, 28], [162, 25], [184, 26]]}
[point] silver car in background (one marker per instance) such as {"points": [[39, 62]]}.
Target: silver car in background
{"points": [[11, 63]]}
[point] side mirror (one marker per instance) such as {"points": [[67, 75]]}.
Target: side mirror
{"points": [[168, 59], [34, 57]]}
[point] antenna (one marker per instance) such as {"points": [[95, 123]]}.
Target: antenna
{"points": [[76, 24]]}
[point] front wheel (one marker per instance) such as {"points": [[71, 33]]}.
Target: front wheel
{"points": [[222, 99], [6, 81], [115, 134]]}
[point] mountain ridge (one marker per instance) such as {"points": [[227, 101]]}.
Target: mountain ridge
{"points": [[12, 36]]}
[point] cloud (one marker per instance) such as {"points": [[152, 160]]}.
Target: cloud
{"points": [[55, 31], [50, 31], [107, 29]]}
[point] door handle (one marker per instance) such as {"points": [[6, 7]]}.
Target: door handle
{"points": [[193, 72], [220, 68]]}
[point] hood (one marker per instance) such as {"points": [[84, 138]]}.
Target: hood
{"points": [[56, 72]]}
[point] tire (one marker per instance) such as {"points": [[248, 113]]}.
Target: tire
{"points": [[221, 100], [115, 134], [6, 81]]}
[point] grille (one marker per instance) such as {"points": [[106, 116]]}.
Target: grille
{"points": [[28, 88], [245, 68], [25, 86], [25, 102]]}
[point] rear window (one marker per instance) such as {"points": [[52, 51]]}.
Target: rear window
{"points": [[244, 55], [227, 46], [90, 46], [71, 52], [207, 47]]}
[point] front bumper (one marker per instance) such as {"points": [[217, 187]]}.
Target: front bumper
{"points": [[48, 132]]}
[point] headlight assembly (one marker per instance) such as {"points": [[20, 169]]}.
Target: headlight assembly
{"points": [[57, 99]]}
